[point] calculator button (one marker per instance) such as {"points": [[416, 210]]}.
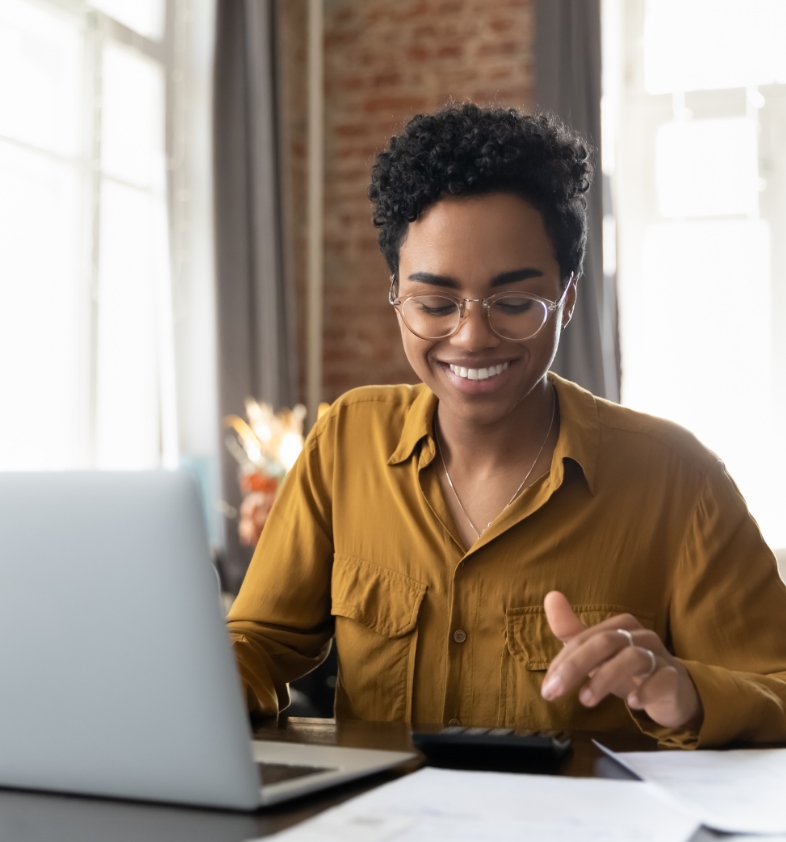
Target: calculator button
{"points": [[476, 732], [454, 729], [500, 732]]}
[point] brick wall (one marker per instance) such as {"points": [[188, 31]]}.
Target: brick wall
{"points": [[384, 62]]}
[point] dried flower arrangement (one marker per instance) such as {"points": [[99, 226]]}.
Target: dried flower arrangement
{"points": [[265, 447]]}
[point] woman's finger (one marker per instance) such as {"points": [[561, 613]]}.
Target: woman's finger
{"points": [[561, 617], [670, 698], [621, 675], [642, 637], [654, 689], [573, 665]]}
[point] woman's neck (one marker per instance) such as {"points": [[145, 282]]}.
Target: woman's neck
{"points": [[483, 448]]}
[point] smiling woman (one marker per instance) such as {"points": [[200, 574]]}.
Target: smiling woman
{"points": [[496, 546], [473, 246]]}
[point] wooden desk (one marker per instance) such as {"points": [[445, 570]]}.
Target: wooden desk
{"points": [[35, 817]]}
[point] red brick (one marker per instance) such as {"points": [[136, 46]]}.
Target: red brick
{"points": [[387, 79], [352, 84], [406, 102], [450, 51], [500, 25], [418, 54], [502, 48]]}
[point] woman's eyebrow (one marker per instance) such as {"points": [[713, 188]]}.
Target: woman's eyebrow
{"points": [[497, 281], [435, 280], [515, 275]]}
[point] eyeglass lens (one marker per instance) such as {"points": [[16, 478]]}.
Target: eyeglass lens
{"points": [[511, 316]]}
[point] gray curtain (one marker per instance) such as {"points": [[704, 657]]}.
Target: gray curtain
{"points": [[256, 340], [568, 83]]}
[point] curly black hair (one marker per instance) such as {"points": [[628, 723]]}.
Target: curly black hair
{"points": [[466, 150]]}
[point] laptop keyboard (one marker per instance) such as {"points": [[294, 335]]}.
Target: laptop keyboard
{"points": [[273, 773]]}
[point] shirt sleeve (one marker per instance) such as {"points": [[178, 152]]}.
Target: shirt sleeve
{"points": [[280, 623], [728, 623]]}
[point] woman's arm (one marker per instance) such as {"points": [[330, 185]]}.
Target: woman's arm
{"points": [[721, 676], [728, 621], [280, 623]]}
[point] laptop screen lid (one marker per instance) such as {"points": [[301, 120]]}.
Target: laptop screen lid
{"points": [[116, 673]]}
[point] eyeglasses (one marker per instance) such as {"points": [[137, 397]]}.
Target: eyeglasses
{"points": [[511, 315]]}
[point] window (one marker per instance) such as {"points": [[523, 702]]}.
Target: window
{"points": [[86, 327], [695, 120]]}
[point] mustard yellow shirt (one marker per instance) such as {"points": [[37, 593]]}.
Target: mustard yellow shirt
{"points": [[635, 516]]}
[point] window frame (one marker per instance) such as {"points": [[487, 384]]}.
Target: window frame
{"points": [[98, 29]]}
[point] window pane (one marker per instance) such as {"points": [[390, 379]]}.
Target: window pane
{"points": [[132, 138], [40, 81], [707, 168], [43, 312], [130, 278], [697, 348], [143, 16], [707, 44]]}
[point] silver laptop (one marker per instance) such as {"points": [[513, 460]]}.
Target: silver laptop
{"points": [[116, 674]]}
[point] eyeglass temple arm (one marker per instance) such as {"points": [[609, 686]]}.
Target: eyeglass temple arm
{"points": [[567, 287]]}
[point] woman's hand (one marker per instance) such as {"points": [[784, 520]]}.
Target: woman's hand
{"points": [[658, 684]]}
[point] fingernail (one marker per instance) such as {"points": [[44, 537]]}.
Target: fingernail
{"points": [[586, 696], [552, 687], [633, 701]]}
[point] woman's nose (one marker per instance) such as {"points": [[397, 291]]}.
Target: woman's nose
{"points": [[474, 331]]}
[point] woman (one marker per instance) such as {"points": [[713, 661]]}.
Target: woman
{"points": [[496, 546]]}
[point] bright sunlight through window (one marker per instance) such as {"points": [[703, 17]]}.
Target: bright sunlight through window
{"points": [[700, 188], [85, 309]]}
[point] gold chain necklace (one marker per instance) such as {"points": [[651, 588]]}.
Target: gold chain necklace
{"points": [[517, 491]]}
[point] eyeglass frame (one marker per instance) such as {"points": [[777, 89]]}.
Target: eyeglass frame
{"points": [[551, 307]]}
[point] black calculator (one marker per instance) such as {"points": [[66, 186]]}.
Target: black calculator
{"points": [[491, 748]]}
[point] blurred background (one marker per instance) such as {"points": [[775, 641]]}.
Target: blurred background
{"points": [[184, 222]]}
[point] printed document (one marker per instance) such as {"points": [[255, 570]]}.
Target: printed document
{"points": [[735, 791], [445, 805]]}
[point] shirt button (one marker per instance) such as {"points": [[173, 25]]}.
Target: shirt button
{"points": [[459, 635], [454, 722]]}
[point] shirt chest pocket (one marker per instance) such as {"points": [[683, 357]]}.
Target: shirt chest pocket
{"points": [[376, 611], [530, 646], [531, 641]]}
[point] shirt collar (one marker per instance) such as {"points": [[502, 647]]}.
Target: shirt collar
{"points": [[579, 437], [418, 424]]}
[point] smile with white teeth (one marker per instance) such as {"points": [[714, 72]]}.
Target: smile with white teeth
{"points": [[478, 373]]}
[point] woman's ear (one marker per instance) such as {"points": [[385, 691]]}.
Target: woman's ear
{"points": [[570, 302]]}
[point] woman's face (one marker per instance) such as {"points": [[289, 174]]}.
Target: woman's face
{"points": [[473, 248]]}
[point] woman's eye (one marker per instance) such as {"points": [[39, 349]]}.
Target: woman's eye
{"points": [[437, 308], [514, 307]]}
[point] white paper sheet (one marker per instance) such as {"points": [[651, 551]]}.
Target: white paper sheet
{"points": [[442, 805], [736, 791]]}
